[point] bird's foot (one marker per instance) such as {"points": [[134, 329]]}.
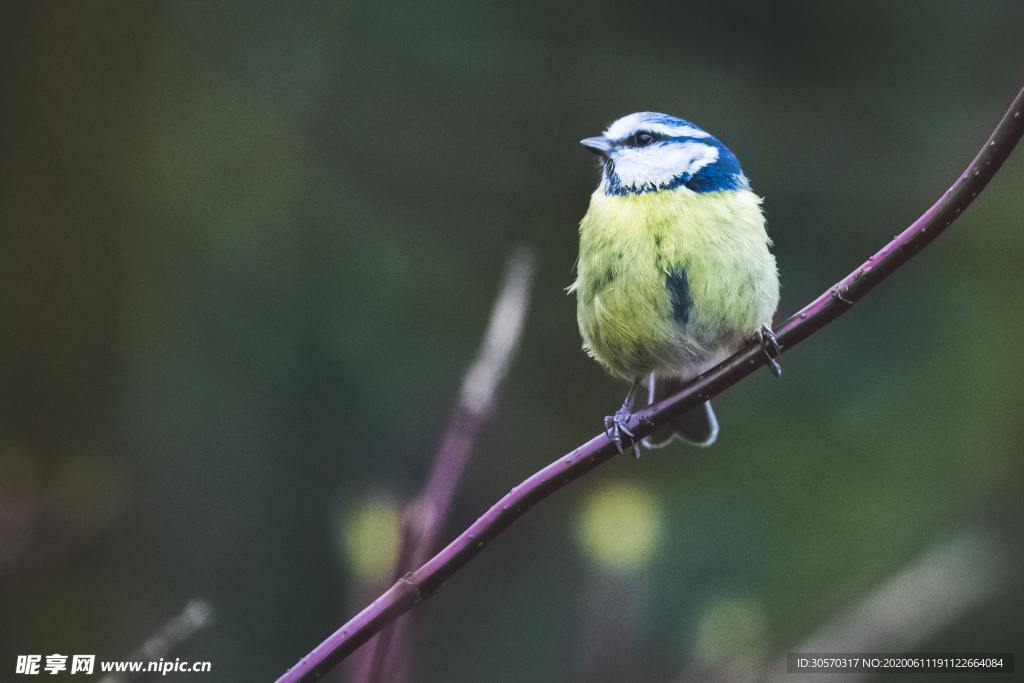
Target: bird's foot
{"points": [[771, 348], [617, 425]]}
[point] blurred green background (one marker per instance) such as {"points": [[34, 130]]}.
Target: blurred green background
{"points": [[248, 250]]}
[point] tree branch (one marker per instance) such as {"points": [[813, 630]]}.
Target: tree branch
{"points": [[424, 516], [418, 585]]}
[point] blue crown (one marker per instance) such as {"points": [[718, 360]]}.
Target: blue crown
{"points": [[633, 146]]}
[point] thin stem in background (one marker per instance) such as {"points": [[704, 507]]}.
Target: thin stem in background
{"points": [[935, 590], [424, 516], [948, 580], [197, 615], [416, 586]]}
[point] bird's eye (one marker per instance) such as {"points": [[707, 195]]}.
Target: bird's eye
{"points": [[642, 139]]}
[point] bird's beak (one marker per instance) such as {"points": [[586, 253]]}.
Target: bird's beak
{"points": [[598, 145]]}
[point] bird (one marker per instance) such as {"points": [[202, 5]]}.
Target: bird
{"points": [[675, 269]]}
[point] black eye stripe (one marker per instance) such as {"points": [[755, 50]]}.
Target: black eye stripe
{"points": [[642, 138]]}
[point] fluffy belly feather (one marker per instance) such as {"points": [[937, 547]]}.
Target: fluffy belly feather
{"points": [[670, 282]]}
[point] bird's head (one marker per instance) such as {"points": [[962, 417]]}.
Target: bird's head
{"points": [[648, 152]]}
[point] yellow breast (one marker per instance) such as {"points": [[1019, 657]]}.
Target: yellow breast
{"points": [[667, 279]]}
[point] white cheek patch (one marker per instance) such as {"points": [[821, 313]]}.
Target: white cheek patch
{"points": [[640, 167], [627, 125]]}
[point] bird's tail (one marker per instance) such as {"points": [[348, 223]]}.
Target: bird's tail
{"points": [[697, 426]]}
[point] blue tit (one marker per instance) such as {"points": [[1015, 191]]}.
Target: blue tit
{"points": [[674, 270]]}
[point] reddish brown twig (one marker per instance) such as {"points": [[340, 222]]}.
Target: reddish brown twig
{"points": [[416, 586], [424, 516]]}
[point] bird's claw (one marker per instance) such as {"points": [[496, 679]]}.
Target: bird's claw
{"points": [[618, 424], [771, 348]]}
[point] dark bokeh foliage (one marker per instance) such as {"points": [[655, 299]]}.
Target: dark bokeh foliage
{"points": [[248, 248]]}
